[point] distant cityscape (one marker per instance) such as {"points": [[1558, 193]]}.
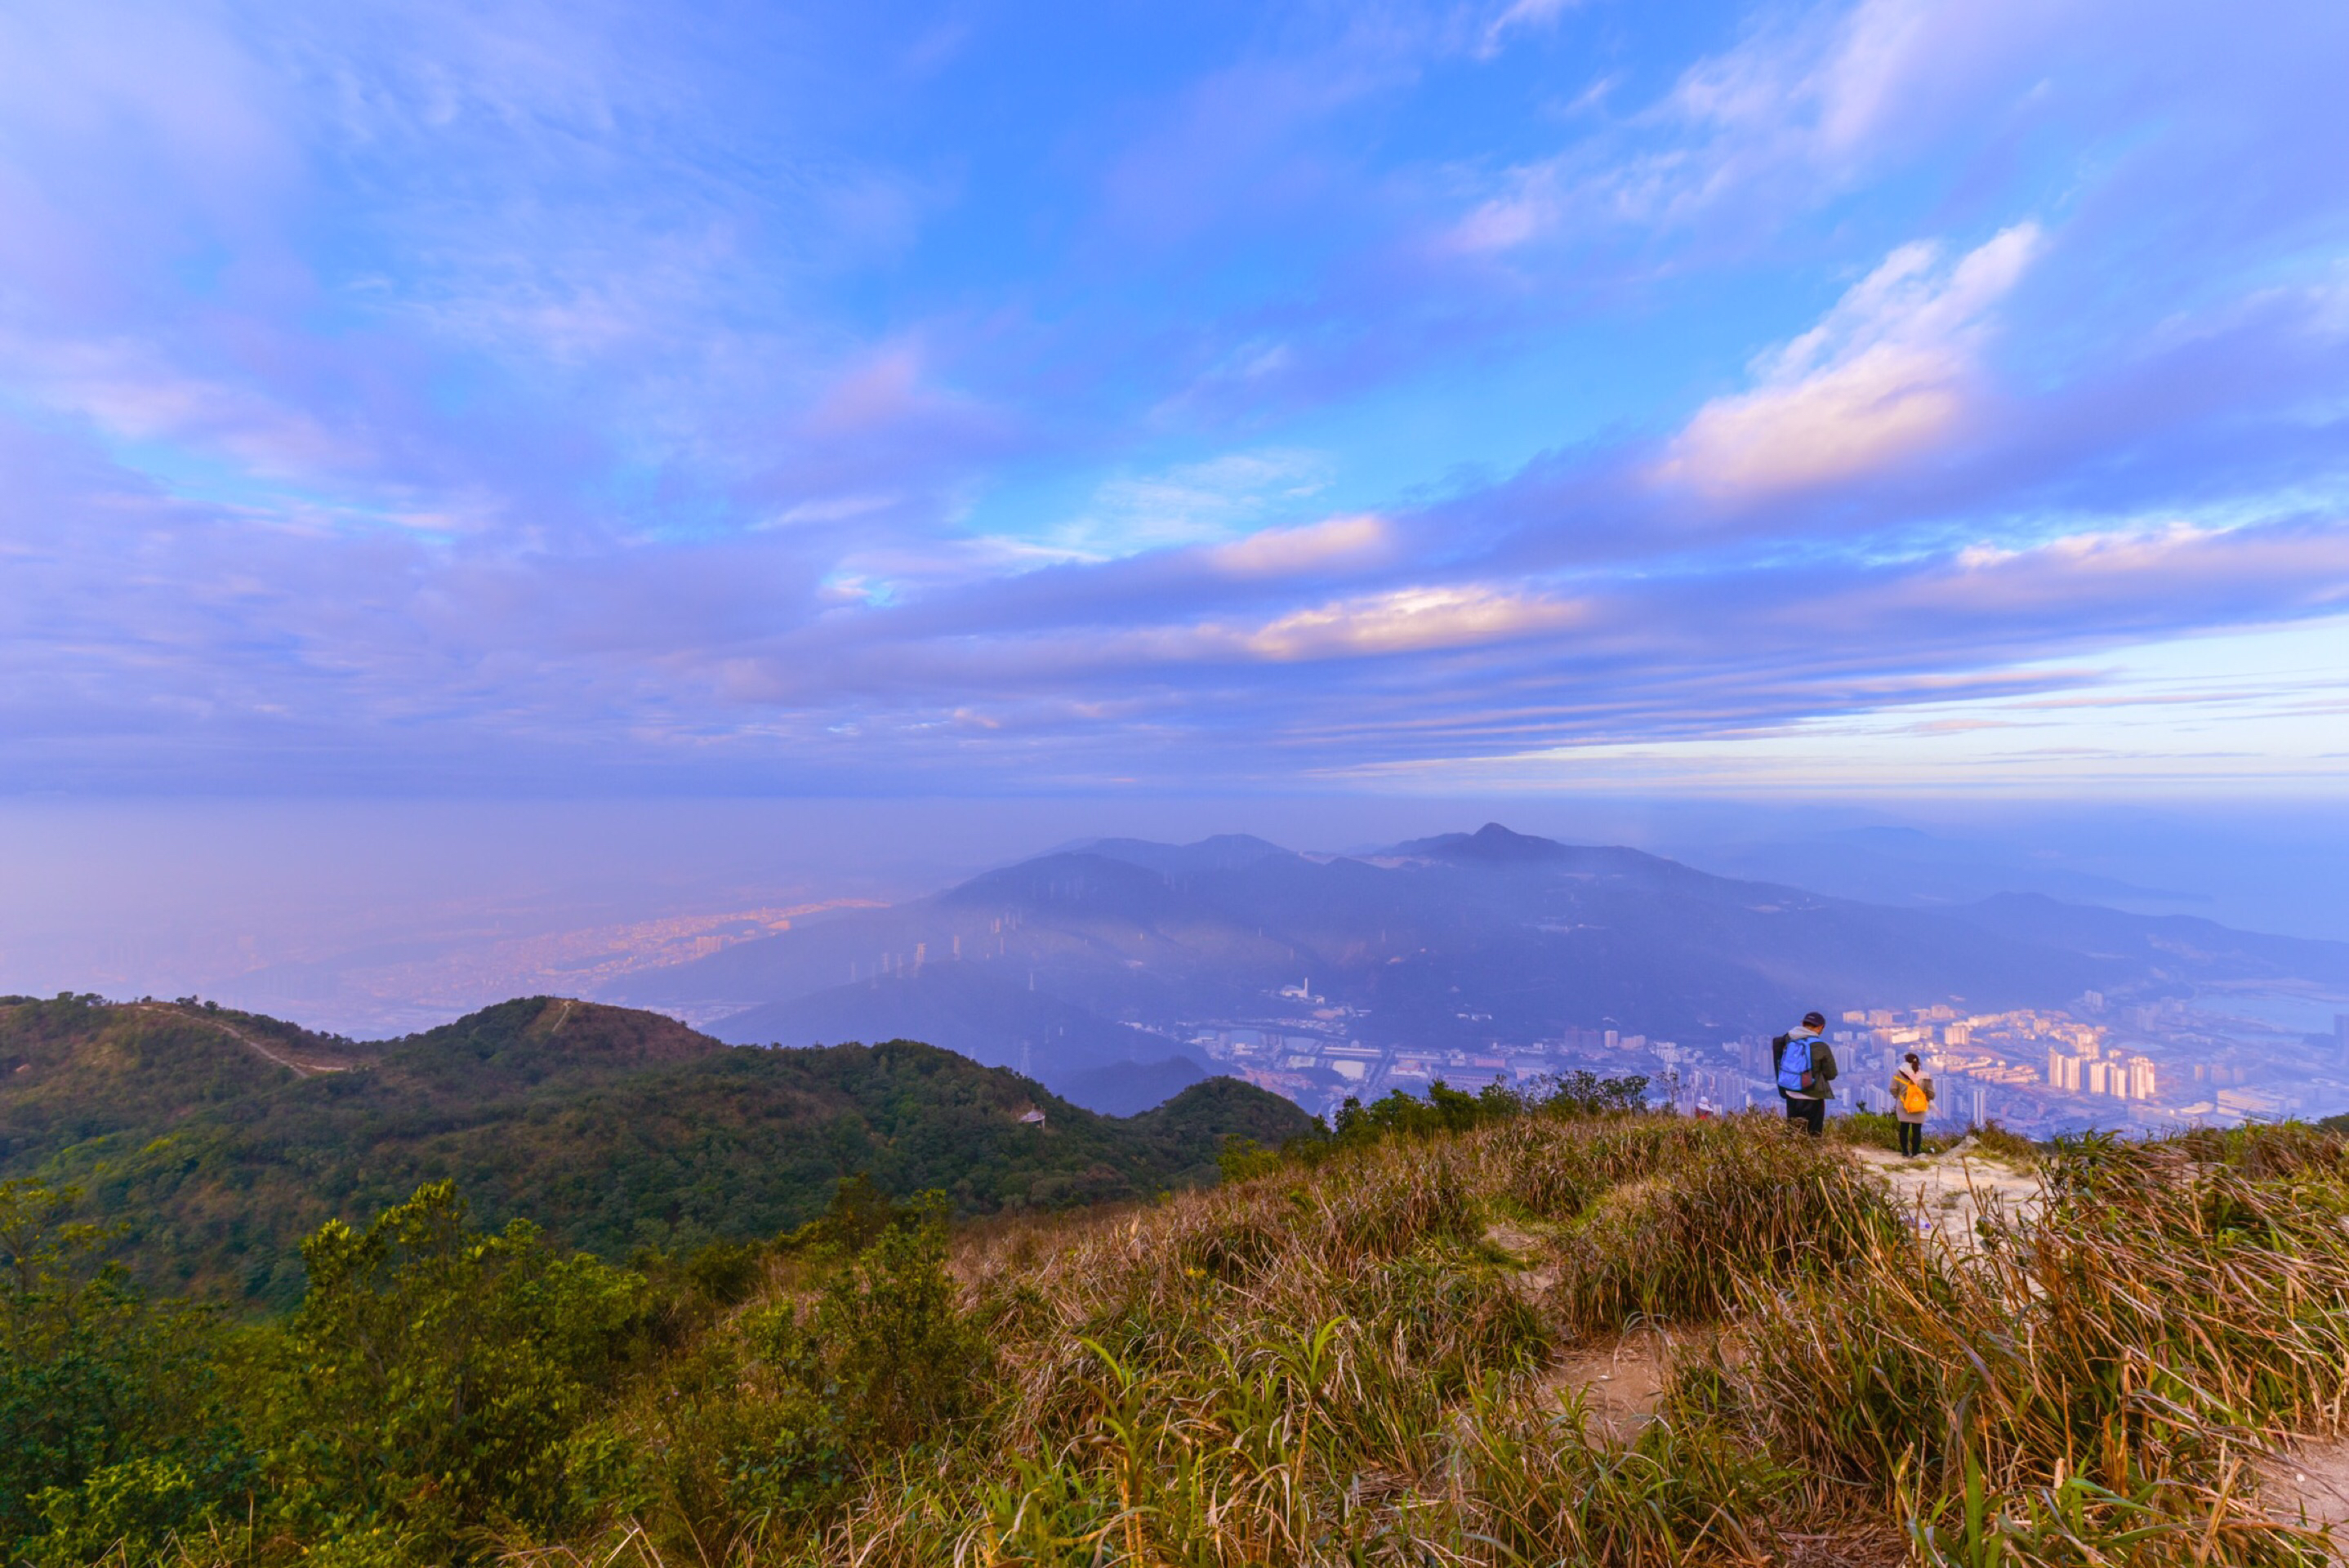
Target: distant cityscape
{"points": [[2137, 1066]]}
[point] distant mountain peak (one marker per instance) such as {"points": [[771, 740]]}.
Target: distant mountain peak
{"points": [[1491, 842]]}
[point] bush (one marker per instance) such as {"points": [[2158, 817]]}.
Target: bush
{"points": [[1448, 1110], [1244, 1159], [770, 1425], [1866, 1128], [2011, 1147], [109, 1403], [432, 1376]]}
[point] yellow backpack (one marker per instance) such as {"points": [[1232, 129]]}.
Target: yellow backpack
{"points": [[1913, 1097]]}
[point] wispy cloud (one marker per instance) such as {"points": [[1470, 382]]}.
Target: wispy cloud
{"points": [[1891, 369], [512, 397]]}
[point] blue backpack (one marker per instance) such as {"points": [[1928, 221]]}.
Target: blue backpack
{"points": [[1795, 1066]]}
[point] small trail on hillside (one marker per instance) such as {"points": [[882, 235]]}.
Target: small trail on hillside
{"points": [[1620, 1378], [299, 1070], [1947, 1195]]}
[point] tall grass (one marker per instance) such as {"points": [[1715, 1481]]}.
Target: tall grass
{"points": [[1335, 1365], [1362, 1362], [2176, 1309]]}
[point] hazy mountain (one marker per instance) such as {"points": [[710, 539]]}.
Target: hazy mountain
{"points": [[2159, 948], [222, 1138], [1459, 939], [1897, 865], [1223, 852]]}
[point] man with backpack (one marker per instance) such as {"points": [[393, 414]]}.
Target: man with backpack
{"points": [[1805, 1066]]}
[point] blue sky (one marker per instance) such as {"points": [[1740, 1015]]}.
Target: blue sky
{"points": [[1520, 395]]}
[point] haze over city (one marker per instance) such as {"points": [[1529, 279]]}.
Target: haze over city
{"points": [[504, 498]]}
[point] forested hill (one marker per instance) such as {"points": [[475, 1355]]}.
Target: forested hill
{"points": [[220, 1138]]}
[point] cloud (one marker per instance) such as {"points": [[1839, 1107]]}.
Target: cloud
{"points": [[1295, 552], [1523, 15], [1892, 369], [519, 398], [1408, 620]]}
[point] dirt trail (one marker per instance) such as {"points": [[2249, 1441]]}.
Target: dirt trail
{"points": [[1944, 1195], [299, 1070], [1621, 1380], [1621, 1383], [2308, 1485]]}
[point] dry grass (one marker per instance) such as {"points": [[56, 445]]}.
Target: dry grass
{"points": [[1373, 1362], [1336, 1365]]}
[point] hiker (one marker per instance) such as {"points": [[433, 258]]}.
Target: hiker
{"points": [[1913, 1100], [1805, 1065]]}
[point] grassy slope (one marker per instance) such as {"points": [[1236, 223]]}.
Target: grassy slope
{"points": [[612, 1128], [1340, 1365]]}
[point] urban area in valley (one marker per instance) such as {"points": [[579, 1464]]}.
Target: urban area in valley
{"points": [[2137, 1066]]}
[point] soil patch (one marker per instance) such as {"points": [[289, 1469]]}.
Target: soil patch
{"points": [[1621, 1383], [2308, 1483], [1527, 1252]]}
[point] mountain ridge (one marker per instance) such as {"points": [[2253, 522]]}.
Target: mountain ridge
{"points": [[1112, 951], [613, 1130]]}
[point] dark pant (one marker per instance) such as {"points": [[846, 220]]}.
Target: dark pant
{"points": [[1913, 1138], [1811, 1113]]}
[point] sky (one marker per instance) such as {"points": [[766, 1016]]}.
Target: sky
{"points": [[505, 399], [816, 451]]}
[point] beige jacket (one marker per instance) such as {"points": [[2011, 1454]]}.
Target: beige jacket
{"points": [[1921, 1077]]}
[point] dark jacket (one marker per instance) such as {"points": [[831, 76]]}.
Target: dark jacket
{"points": [[1824, 1070]]}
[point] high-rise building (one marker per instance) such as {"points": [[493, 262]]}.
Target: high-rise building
{"points": [[2097, 1077], [1959, 1034], [2140, 1077]]}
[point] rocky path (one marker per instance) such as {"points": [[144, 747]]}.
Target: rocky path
{"points": [[1945, 1195]]}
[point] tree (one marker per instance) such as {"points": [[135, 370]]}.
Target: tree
{"points": [[430, 1379], [110, 1423]]}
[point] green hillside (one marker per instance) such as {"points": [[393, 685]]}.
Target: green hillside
{"points": [[1479, 1333], [220, 1138]]}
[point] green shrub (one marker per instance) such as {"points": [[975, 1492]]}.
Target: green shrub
{"points": [[1244, 1159], [768, 1426], [109, 1403], [430, 1380], [1400, 1114], [907, 1361], [2011, 1147], [1866, 1128]]}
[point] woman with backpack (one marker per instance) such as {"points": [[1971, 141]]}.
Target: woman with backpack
{"points": [[1912, 1102]]}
